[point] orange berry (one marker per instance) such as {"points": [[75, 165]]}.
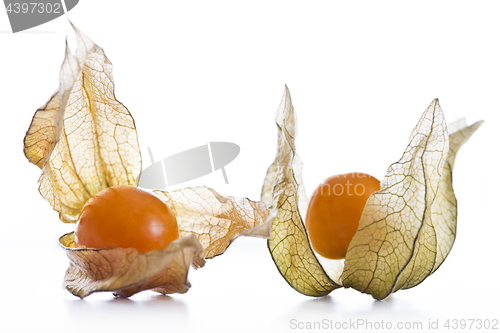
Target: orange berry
{"points": [[126, 216], [334, 212]]}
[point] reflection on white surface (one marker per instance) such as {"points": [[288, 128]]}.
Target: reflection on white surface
{"points": [[241, 290], [135, 313]]}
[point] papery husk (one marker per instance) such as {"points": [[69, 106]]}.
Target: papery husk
{"points": [[217, 220], [283, 190], [83, 139], [408, 228], [126, 272]]}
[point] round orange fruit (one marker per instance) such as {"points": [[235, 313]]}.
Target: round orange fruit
{"points": [[126, 217], [334, 212]]}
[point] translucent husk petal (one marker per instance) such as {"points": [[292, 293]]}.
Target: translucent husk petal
{"points": [[407, 228], [215, 219], [126, 271], [444, 213], [83, 139], [284, 190], [395, 245]]}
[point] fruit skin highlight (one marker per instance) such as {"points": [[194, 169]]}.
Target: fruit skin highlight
{"points": [[126, 217], [334, 212]]}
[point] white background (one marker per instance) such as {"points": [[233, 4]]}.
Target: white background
{"points": [[360, 74]]}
